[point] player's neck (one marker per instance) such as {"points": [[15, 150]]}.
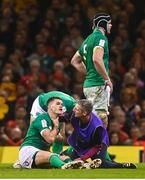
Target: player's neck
{"points": [[52, 115], [101, 30]]}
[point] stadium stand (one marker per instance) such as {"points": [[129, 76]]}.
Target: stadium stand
{"points": [[37, 41]]}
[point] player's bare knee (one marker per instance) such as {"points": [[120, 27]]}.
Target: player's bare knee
{"points": [[42, 157]]}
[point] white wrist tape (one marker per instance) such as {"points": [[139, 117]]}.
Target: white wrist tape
{"points": [[108, 95]]}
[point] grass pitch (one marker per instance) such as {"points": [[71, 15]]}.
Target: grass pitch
{"points": [[6, 171]]}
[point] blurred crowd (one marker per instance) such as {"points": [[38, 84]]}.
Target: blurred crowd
{"points": [[37, 41]]}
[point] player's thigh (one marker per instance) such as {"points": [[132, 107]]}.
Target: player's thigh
{"points": [[98, 96], [26, 155], [42, 157]]}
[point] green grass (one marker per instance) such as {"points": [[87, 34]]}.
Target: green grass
{"points": [[6, 171]]}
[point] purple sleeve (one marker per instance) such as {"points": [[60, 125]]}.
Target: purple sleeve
{"points": [[92, 151]]}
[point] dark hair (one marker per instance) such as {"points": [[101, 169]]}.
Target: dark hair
{"points": [[52, 98], [86, 105]]}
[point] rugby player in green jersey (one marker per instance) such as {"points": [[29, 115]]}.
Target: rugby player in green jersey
{"points": [[34, 151], [92, 59], [39, 106]]}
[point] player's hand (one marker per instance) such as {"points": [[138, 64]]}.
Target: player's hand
{"points": [[59, 137], [109, 83]]}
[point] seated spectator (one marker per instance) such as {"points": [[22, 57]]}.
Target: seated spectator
{"points": [[142, 130], [120, 117], [114, 139], [4, 108], [137, 81], [20, 117], [143, 108], [59, 77], [135, 133], [128, 99], [11, 135], [141, 139], [34, 75], [114, 126]]}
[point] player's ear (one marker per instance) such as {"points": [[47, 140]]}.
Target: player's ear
{"points": [[85, 113]]}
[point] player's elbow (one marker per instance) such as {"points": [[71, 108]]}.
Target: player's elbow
{"points": [[73, 61], [76, 59]]}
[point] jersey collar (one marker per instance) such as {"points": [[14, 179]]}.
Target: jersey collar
{"points": [[97, 30]]}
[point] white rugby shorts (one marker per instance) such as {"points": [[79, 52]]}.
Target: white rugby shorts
{"points": [[26, 155]]}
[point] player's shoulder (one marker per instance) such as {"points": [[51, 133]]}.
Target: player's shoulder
{"points": [[42, 116], [99, 35]]}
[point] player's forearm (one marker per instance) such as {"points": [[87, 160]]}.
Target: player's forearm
{"points": [[51, 135], [54, 133], [77, 62]]}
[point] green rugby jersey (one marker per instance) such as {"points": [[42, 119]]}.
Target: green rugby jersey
{"points": [[93, 78], [33, 137], [68, 101]]}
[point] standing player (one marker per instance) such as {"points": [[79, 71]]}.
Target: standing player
{"points": [[92, 59]]}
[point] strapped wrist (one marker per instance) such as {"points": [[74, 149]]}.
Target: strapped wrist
{"points": [[106, 81], [56, 127]]}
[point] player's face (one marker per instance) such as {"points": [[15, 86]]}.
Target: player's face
{"points": [[109, 26], [57, 106], [78, 111]]}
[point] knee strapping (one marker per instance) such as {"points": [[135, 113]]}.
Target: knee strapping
{"points": [[103, 116]]}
